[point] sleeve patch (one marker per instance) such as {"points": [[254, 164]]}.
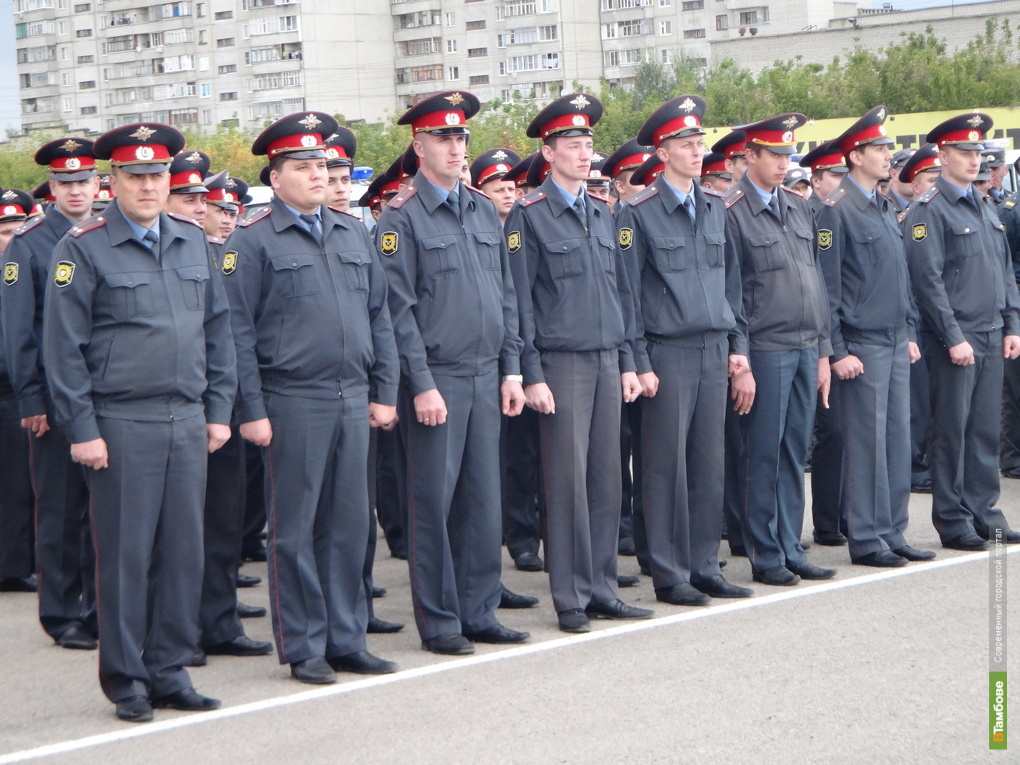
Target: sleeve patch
{"points": [[824, 238], [919, 232], [63, 273], [229, 262], [388, 243], [626, 238], [513, 241], [10, 273]]}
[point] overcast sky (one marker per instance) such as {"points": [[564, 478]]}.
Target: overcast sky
{"points": [[9, 71]]}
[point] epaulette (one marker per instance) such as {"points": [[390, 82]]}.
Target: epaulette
{"points": [[214, 239], [712, 192], [28, 225], [344, 212], [254, 217], [646, 193], [185, 219], [791, 191], [903, 215], [406, 193], [90, 225], [469, 187], [732, 196], [927, 196], [835, 197], [530, 199], [1010, 202]]}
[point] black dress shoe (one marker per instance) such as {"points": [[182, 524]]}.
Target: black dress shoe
{"points": [[617, 609], [508, 599], [807, 570], [257, 554], [243, 580], [378, 592], [780, 576], [1011, 473], [134, 709], [683, 594], [1009, 536], [198, 659], [625, 580], [363, 663], [528, 562], [452, 644], [738, 551], [718, 587], [186, 700], [250, 612], [574, 621], [912, 553], [626, 546], [313, 671], [499, 635], [76, 638], [400, 553], [880, 559], [20, 584], [242, 645], [921, 487], [969, 542], [382, 627], [830, 538], [722, 564]]}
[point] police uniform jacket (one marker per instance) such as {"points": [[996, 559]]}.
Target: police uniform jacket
{"points": [[451, 294], [310, 319], [127, 335], [6, 388], [1009, 215], [959, 265], [682, 282], [573, 291], [860, 247], [26, 273], [783, 288]]}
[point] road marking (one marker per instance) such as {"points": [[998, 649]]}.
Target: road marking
{"points": [[148, 729]]}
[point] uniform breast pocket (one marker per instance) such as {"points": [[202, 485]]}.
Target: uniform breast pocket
{"points": [[714, 248], [295, 275], [566, 257], [439, 253], [193, 284], [130, 295], [765, 252], [487, 243], [965, 242], [607, 253], [355, 267], [670, 252], [874, 244], [805, 243]]}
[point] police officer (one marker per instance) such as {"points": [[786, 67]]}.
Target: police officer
{"points": [[340, 151], [799, 180], [714, 175], [488, 173], [970, 320], [104, 195], [827, 170], [771, 230], [620, 166], [222, 203], [900, 193], [1009, 444], [687, 300], [732, 147], [519, 174], [441, 241], [140, 364], [873, 345], [577, 325], [598, 182], [187, 185], [997, 169], [64, 549]]}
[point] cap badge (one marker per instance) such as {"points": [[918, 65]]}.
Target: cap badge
{"points": [[455, 99], [144, 153], [228, 197], [690, 120], [143, 133], [70, 146], [788, 136], [231, 183], [9, 195], [194, 158], [974, 135], [580, 102], [578, 119], [499, 156], [687, 105], [881, 114], [976, 121], [73, 163], [194, 178], [790, 122], [308, 140], [310, 121], [453, 118], [501, 168], [10, 210], [645, 156], [332, 153]]}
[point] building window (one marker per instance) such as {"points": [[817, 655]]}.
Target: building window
{"points": [[693, 5], [665, 55], [86, 59], [666, 27], [610, 31], [67, 104], [226, 42], [549, 32], [477, 52], [754, 17], [478, 79], [61, 28], [229, 96], [453, 73], [65, 79], [421, 47], [205, 90], [665, 3], [694, 34], [450, 18], [612, 58], [475, 25], [83, 33], [200, 9], [90, 110], [87, 85], [451, 46], [221, 15], [722, 22], [82, 7], [226, 69], [551, 61]]}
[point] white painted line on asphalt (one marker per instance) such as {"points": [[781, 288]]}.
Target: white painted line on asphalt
{"points": [[138, 731]]}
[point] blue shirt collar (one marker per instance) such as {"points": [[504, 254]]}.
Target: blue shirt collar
{"points": [[444, 194], [766, 196], [140, 231], [681, 195], [570, 197], [868, 195], [297, 214]]}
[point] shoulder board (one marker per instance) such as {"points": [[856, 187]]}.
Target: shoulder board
{"points": [[29, 225], [344, 212], [185, 219], [1008, 204], [732, 196], [834, 198], [645, 194], [927, 196], [791, 191], [712, 192], [90, 225], [469, 187], [254, 217], [530, 199], [903, 215], [406, 193], [214, 239]]}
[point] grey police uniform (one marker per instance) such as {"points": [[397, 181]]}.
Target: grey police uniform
{"points": [[965, 290], [138, 352], [687, 297], [314, 347], [577, 323], [1009, 445], [454, 313]]}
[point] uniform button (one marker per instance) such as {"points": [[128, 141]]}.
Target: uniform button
{"points": [[358, 261], [966, 231], [131, 284]]}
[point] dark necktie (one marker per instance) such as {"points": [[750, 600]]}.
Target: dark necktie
{"points": [[453, 202], [689, 206], [579, 209], [153, 239], [775, 208], [312, 222]]}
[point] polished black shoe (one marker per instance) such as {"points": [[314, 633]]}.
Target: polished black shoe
{"points": [[20, 584], [574, 621], [683, 594], [509, 599], [382, 627], [186, 700], [198, 659], [399, 553], [363, 663], [76, 638], [134, 709], [528, 562], [625, 580], [626, 546], [1009, 536], [617, 610], [969, 542], [250, 612], [737, 551], [243, 580], [313, 671], [452, 644], [810, 571], [242, 645], [257, 554], [830, 538], [780, 576], [880, 559], [722, 564], [718, 587], [1011, 473], [923, 486], [912, 553], [499, 635], [378, 592]]}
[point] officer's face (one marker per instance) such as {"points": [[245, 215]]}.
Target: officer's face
{"points": [[570, 157], [998, 174], [502, 193], [189, 205], [219, 222], [716, 183], [960, 166], [599, 191], [766, 168], [872, 162], [803, 188], [922, 182], [339, 188], [442, 157], [74, 198], [683, 157], [301, 183], [7, 230], [736, 167], [624, 188], [825, 182], [141, 197]]}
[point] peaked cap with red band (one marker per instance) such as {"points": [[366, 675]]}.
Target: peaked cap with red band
{"points": [[519, 172], [570, 115], [296, 136], [188, 171], [15, 204], [69, 159], [775, 134], [677, 118], [627, 157], [825, 156], [340, 148], [649, 170], [714, 163], [868, 130], [493, 165], [442, 114], [924, 160], [140, 149], [967, 132], [730, 145]]}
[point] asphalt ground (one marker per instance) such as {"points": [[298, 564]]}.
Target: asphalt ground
{"points": [[873, 666]]}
